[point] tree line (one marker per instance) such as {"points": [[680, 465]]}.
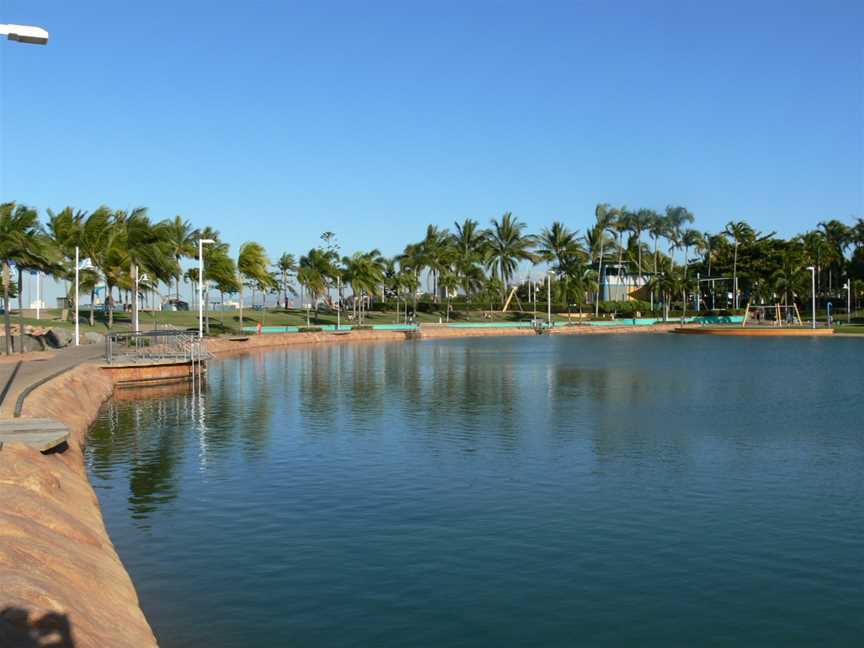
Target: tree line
{"points": [[658, 253]]}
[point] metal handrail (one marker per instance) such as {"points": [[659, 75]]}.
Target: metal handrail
{"points": [[154, 346]]}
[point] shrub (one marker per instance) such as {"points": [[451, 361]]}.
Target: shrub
{"points": [[309, 329], [625, 308], [362, 327]]}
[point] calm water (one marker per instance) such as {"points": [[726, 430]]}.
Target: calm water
{"points": [[604, 490]]}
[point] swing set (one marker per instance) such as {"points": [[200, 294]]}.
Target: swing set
{"points": [[776, 315]]}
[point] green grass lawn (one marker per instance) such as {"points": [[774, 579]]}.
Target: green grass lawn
{"points": [[229, 321], [854, 329]]}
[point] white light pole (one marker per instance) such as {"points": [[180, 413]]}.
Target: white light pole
{"points": [[848, 288], [25, 34], [812, 270], [77, 332], [201, 243], [549, 297]]}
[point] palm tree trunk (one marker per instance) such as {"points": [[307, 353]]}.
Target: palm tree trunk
{"points": [[735, 275], [64, 314], [20, 309], [599, 280], [241, 302], [108, 304], [683, 305], [6, 317]]}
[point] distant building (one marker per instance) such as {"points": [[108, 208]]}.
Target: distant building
{"points": [[618, 283]]}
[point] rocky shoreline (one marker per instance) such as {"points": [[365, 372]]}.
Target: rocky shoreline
{"points": [[63, 583]]}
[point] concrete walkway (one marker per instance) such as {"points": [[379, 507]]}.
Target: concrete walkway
{"points": [[34, 369]]}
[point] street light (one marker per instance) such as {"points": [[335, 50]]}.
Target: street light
{"points": [[25, 34], [812, 270], [848, 288], [201, 244], [549, 274]]}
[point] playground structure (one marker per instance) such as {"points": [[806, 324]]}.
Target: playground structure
{"points": [[774, 315], [761, 320]]}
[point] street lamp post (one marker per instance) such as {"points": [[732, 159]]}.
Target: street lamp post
{"points": [[549, 297], [812, 270], [848, 288], [201, 243], [77, 329]]}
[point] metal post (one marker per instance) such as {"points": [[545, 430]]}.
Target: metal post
{"points": [[77, 332], [849, 300], [339, 303], [549, 297], [135, 305], [812, 270], [201, 289], [698, 290], [735, 288]]}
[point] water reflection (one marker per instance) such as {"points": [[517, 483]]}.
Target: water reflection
{"points": [[460, 491], [609, 401]]}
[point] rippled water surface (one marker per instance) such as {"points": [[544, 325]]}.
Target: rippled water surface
{"points": [[599, 490]]}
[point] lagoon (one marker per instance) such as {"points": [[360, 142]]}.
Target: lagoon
{"points": [[603, 490]]}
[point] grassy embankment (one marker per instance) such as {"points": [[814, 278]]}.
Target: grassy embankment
{"points": [[229, 322]]}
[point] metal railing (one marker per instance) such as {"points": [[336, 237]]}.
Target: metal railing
{"points": [[155, 346]]}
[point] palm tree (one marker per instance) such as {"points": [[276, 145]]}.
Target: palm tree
{"points": [[561, 248], [436, 253], [604, 217], [407, 279], [838, 237], [508, 247], [740, 233], [791, 277], [364, 272], [558, 245], [315, 270], [19, 228], [143, 246], [286, 266], [220, 270], [622, 223], [181, 239], [191, 276], [676, 218], [252, 264], [640, 223], [449, 283], [65, 228], [469, 245], [413, 259]]}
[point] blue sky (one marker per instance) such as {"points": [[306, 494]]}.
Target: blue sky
{"points": [[274, 121]]}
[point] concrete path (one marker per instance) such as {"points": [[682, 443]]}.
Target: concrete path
{"points": [[32, 370]]}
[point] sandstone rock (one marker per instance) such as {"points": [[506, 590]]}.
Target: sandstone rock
{"points": [[92, 337], [61, 581], [59, 337], [30, 343]]}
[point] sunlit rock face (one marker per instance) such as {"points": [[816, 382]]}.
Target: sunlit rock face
{"points": [[62, 581]]}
